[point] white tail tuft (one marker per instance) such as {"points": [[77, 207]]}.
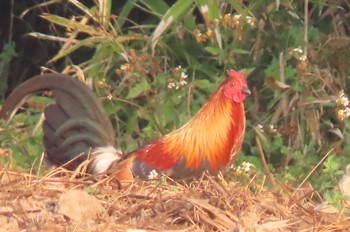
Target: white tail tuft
{"points": [[103, 157]]}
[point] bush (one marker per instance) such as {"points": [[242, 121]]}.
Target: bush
{"points": [[154, 72]]}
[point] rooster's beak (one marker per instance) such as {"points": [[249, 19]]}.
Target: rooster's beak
{"points": [[246, 90]]}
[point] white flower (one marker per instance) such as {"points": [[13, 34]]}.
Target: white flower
{"points": [[302, 58], [246, 166], [237, 16], [250, 21], [298, 50], [272, 129], [183, 82], [261, 127], [344, 101], [235, 21], [347, 112], [171, 85], [153, 175], [183, 75]]}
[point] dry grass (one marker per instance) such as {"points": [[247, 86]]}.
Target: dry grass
{"points": [[34, 203]]}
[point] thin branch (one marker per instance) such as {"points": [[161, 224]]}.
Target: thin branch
{"points": [[306, 26], [269, 175], [313, 170]]}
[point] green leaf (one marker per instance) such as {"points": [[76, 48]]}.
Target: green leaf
{"points": [[167, 111], [8, 52], [240, 51], [42, 100], [128, 6], [105, 13], [138, 89], [6, 56], [72, 24], [142, 113], [86, 42], [131, 123], [85, 9], [157, 7], [256, 161], [214, 50], [237, 5], [285, 150], [331, 165], [175, 11], [203, 84], [210, 7]]}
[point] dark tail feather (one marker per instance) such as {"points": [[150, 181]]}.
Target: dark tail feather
{"points": [[74, 124]]}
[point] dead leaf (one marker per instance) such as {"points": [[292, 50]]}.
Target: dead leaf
{"points": [[273, 226], [79, 206], [273, 83], [218, 217], [324, 207], [8, 224]]}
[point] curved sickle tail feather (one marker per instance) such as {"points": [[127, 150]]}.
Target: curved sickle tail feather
{"points": [[76, 124]]}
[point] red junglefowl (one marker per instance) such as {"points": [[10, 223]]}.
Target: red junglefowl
{"points": [[76, 128]]}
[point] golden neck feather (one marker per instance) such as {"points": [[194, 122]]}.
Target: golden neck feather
{"points": [[210, 135]]}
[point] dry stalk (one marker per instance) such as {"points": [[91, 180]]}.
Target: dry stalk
{"points": [[262, 155]]}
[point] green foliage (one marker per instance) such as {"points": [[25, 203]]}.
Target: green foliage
{"points": [[156, 73], [20, 137], [6, 56]]}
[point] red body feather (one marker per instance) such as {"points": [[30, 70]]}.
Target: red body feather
{"points": [[213, 136]]}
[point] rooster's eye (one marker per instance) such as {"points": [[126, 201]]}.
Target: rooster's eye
{"points": [[232, 84]]}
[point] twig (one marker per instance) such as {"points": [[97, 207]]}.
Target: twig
{"points": [[295, 201], [284, 99], [269, 175], [313, 170], [306, 28], [11, 21], [42, 157]]}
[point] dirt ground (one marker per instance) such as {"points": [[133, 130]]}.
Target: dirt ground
{"points": [[61, 201]]}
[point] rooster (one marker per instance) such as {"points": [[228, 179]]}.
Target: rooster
{"points": [[76, 128]]}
